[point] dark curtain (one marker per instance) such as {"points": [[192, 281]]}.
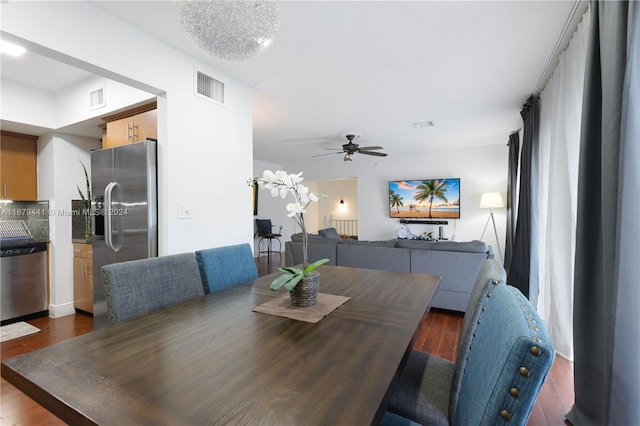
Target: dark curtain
{"points": [[514, 150], [524, 254], [606, 327]]}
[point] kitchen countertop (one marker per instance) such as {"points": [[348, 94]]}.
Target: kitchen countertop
{"points": [[8, 244]]}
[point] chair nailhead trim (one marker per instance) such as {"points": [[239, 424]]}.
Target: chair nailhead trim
{"points": [[535, 350], [514, 392], [505, 414], [524, 371]]}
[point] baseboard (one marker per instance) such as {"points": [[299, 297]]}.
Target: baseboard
{"points": [[57, 311]]}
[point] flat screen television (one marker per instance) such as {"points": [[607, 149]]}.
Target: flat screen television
{"points": [[425, 199]]}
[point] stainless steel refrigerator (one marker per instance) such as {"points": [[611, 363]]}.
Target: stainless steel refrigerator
{"points": [[124, 196]]}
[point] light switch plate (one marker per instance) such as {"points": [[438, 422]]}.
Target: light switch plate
{"points": [[184, 211]]}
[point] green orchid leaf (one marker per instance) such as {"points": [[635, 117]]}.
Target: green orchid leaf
{"points": [[280, 281], [293, 282], [314, 265], [290, 270]]}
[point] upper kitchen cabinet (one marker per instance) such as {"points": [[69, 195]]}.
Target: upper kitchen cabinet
{"points": [[18, 166], [131, 126]]}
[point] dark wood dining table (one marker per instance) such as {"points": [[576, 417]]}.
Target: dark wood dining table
{"points": [[213, 361]]}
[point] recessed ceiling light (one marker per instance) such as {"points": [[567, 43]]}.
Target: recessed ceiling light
{"points": [[421, 124], [11, 49]]}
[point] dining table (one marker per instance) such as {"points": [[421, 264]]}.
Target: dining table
{"points": [[214, 360]]}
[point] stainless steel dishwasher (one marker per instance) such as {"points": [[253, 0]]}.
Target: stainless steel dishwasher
{"points": [[23, 278]]}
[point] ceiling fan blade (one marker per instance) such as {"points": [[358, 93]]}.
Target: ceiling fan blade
{"points": [[369, 148], [330, 153], [377, 154]]}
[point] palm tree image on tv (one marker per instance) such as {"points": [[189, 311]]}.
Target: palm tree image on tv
{"points": [[430, 189], [425, 199], [395, 200]]}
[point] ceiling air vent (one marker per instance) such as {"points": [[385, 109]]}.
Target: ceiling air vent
{"points": [[209, 87], [96, 99]]}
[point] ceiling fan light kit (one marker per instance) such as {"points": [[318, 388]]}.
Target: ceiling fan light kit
{"points": [[231, 30]]}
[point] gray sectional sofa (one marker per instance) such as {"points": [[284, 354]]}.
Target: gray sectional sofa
{"points": [[457, 263]]}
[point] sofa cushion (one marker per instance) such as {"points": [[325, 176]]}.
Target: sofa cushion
{"points": [[474, 246], [374, 257], [293, 252], [385, 243], [416, 244], [316, 238], [330, 233], [463, 246]]}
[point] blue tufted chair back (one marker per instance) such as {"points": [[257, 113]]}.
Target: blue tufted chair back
{"points": [[223, 267], [509, 357]]}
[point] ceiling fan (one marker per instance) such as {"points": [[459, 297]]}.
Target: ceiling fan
{"points": [[350, 149]]}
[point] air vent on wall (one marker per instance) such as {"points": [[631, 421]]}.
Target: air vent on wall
{"points": [[209, 87], [96, 99]]}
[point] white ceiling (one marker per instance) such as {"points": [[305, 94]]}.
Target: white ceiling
{"points": [[373, 67]]}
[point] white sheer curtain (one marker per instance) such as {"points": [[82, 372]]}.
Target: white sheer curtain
{"points": [[560, 122]]}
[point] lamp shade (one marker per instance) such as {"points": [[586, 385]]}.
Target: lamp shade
{"points": [[491, 200]]}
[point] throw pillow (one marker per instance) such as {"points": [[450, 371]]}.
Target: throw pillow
{"points": [[330, 233]]}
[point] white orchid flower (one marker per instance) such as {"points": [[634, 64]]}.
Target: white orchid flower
{"points": [[295, 178], [295, 208], [280, 175], [268, 175]]}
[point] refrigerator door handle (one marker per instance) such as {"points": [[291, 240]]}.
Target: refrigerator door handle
{"points": [[108, 217]]}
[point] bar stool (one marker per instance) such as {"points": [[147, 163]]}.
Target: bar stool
{"points": [[265, 232]]}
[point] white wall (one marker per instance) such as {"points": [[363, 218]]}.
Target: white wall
{"points": [[481, 169], [73, 104], [27, 105], [204, 150], [336, 190], [59, 174]]}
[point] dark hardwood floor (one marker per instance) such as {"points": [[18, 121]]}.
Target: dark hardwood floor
{"points": [[438, 335]]}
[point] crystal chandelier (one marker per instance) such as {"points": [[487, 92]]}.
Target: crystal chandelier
{"points": [[231, 30]]}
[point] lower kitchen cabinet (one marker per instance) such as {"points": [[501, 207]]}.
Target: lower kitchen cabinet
{"points": [[83, 277]]}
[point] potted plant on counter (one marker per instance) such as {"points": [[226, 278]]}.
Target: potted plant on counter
{"points": [[86, 205]]}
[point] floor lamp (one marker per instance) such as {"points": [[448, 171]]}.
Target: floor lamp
{"points": [[490, 200]]}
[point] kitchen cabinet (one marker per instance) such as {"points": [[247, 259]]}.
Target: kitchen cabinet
{"points": [[135, 126], [83, 277], [18, 167]]}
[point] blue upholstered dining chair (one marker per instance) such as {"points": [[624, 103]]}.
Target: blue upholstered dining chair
{"points": [[223, 267], [490, 274], [138, 287], [509, 356]]}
